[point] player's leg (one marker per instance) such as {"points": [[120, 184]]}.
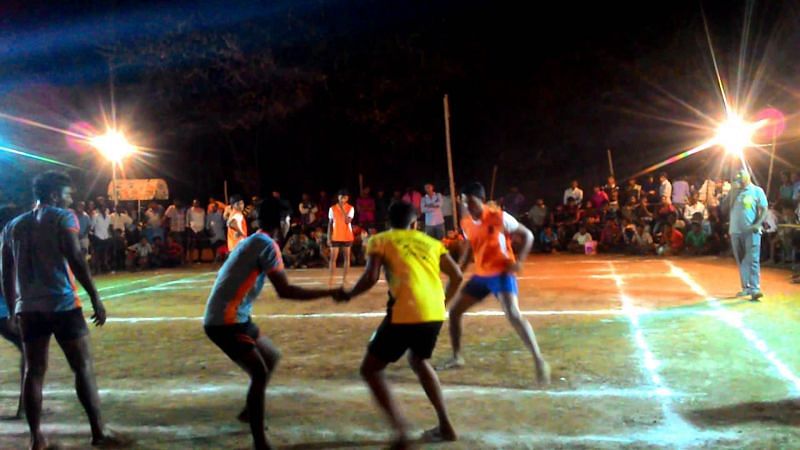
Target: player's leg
{"points": [[347, 251], [510, 304], [271, 355], [255, 366], [334, 256], [433, 389], [35, 349], [470, 295], [12, 336], [79, 357], [372, 371]]}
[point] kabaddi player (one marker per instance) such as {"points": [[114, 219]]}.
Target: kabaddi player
{"points": [[41, 258], [9, 329], [340, 233], [415, 313], [489, 230], [237, 226], [227, 317]]}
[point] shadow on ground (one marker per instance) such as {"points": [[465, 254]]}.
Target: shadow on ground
{"points": [[786, 412]]}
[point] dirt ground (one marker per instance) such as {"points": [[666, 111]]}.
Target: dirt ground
{"points": [[646, 353]]}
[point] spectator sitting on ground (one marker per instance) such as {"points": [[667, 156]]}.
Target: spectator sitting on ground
{"points": [[633, 190], [644, 212], [297, 252], [693, 206], [671, 242], [628, 232], [642, 242], [696, 240], [664, 211], [589, 215], [139, 254], [599, 197], [613, 204], [158, 253], [629, 210], [173, 253], [610, 237], [579, 240], [548, 240]]}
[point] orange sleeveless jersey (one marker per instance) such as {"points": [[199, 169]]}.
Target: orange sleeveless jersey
{"points": [[491, 246], [233, 241], [342, 231]]}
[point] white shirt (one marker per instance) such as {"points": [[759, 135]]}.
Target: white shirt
{"points": [[665, 190], [643, 239], [689, 211], [771, 221], [582, 238], [432, 207], [153, 218], [447, 206], [100, 225], [142, 250], [197, 219], [576, 193], [120, 221]]}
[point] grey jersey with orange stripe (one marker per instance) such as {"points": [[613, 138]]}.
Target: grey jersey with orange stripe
{"points": [[241, 279], [36, 241]]}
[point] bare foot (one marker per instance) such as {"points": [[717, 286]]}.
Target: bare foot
{"points": [[452, 363], [542, 373], [244, 417], [442, 433], [112, 440], [400, 443]]}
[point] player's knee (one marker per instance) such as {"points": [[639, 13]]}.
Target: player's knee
{"points": [[367, 371], [35, 369], [415, 362]]}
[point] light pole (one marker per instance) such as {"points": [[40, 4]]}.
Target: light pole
{"points": [[114, 147]]}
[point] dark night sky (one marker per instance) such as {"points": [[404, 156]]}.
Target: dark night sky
{"points": [[305, 95]]}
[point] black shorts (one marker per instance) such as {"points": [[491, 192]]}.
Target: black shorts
{"points": [[341, 244], [234, 340], [65, 325], [391, 340]]}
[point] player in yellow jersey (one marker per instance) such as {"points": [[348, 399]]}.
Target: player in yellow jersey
{"points": [[489, 231], [415, 312]]}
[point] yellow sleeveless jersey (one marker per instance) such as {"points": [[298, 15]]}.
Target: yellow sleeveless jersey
{"points": [[411, 260]]}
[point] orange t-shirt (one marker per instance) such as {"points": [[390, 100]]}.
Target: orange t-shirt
{"points": [[341, 230], [233, 240], [489, 239]]}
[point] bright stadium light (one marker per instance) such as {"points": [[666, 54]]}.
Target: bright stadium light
{"points": [[113, 145], [734, 135]]}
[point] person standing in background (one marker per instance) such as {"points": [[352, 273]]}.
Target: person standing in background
{"points": [[431, 206]]}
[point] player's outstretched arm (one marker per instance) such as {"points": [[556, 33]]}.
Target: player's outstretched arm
{"points": [[74, 255], [454, 275], [466, 253], [372, 272], [527, 241], [289, 291]]}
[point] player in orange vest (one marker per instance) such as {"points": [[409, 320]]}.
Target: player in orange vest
{"points": [[489, 230], [340, 233]]}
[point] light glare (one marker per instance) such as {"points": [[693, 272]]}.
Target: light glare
{"points": [[113, 145]]}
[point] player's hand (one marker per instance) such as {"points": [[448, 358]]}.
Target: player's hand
{"points": [[513, 267], [99, 316], [340, 295]]}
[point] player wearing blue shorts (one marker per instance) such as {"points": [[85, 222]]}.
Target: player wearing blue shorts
{"points": [[489, 230]]}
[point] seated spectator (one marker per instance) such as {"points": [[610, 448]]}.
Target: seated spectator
{"points": [[665, 210], [629, 210], [696, 240], [579, 240], [671, 241], [610, 237], [297, 252], [628, 232], [172, 253], [139, 254], [644, 213], [633, 190], [642, 241], [693, 206], [548, 240], [613, 204], [589, 215], [158, 253]]}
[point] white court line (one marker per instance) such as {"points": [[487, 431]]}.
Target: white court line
{"points": [[673, 422], [372, 314], [159, 286], [735, 320], [339, 391]]}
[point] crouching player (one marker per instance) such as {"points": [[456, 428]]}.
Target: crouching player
{"points": [[415, 313], [227, 317]]}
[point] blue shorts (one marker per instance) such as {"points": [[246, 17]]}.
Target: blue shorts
{"points": [[479, 287]]}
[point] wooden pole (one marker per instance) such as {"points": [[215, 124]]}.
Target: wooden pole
{"points": [[494, 179], [450, 161], [610, 164], [771, 163]]}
